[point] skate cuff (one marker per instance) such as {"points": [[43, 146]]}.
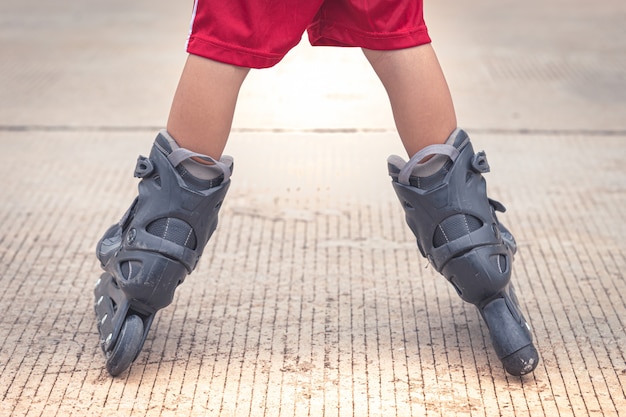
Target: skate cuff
{"points": [[177, 156], [406, 171]]}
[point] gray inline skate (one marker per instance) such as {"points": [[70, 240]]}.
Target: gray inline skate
{"points": [[156, 244], [447, 208]]}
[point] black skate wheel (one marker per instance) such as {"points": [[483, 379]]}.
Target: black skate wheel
{"points": [[127, 347], [522, 362]]}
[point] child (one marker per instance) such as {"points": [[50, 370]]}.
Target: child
{"points": [[184, 181]]}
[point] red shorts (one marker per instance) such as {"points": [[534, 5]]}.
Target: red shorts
{"points": [[259, 33]]}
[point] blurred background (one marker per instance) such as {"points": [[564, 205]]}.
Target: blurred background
{"points": [[533, 65]]}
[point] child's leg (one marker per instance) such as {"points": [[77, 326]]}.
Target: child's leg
{"points": [[202, 110], [160, 239], [419, 95], [443, 193]]}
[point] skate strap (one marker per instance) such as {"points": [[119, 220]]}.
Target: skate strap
{"points": [[439, 149], [177, 156]]}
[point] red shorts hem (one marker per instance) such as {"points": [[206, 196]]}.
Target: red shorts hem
{"points": [[227, 54], [259, 33], [331, 34]]}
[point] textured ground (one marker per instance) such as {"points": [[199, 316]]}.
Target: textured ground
{"points": [[311, 298]]}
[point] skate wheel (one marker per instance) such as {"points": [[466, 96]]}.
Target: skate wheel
{"points": [[127, 347]]}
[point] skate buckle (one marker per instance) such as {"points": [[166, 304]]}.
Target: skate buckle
{"points": [[479, 162], [131, 236], [144, 167]]}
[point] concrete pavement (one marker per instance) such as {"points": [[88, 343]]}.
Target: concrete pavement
{"points": [[311, 299]]}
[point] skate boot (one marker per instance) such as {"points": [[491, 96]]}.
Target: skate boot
{"points": [[455, 223], [155, 245]]}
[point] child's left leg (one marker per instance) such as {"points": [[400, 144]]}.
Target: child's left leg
{"points": [[158, 242], [444, 197], [202, 110], [419, 95]]}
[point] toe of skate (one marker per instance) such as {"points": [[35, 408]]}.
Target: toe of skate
{"points": [[522, 362]]}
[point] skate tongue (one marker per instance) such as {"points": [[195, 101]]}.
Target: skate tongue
{"points": [[183, 157], [415, 168], [440, 154]]}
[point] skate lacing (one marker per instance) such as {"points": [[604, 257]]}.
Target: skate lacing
{"points": [[455, 227], [174, 230]]}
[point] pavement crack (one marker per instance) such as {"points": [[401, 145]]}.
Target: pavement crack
{"points": [[321, 130]]}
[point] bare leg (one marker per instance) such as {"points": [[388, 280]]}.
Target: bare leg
{"points": [[447, 208], [202, 111], [419, 95]]}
